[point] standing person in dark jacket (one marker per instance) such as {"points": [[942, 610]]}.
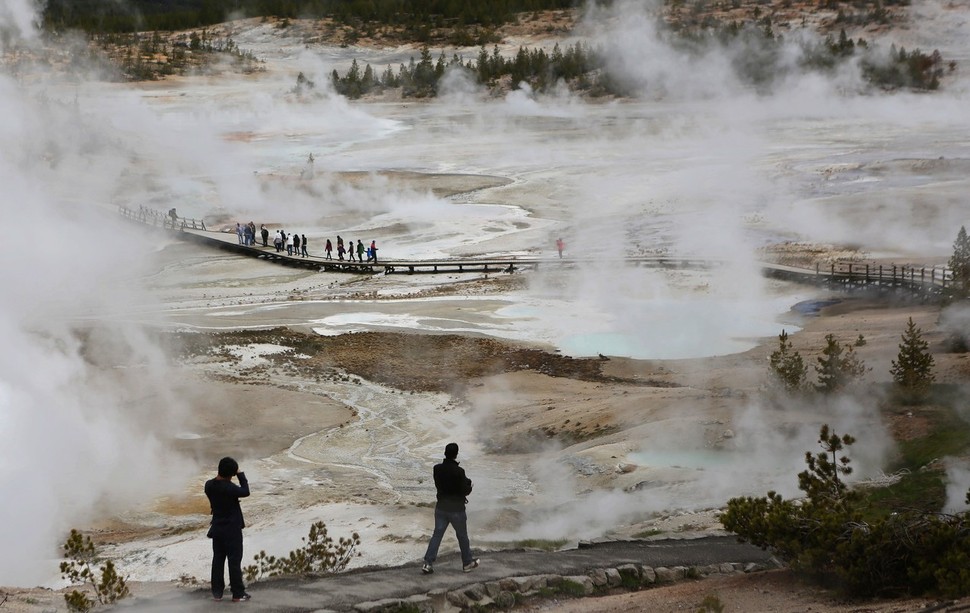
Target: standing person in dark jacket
{"points": [[226, 529], [453, 486]]}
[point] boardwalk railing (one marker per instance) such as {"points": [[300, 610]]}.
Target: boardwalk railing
{"points": [[152, 217], [926, 283], [862, 273]]}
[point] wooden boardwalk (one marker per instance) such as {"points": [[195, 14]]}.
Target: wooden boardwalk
{"points": [[923, 283]]}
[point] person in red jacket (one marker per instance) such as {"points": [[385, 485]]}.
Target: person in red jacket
{"points": [[453, 487], [226, 529]]}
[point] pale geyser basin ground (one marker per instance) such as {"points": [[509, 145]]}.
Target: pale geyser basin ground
{"points": [[700, 178], [668, 315]]}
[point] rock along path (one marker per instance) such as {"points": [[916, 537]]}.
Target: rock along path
{"points": [[348, 591]]}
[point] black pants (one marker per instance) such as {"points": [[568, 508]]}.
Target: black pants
{"points": [[227, 545]]}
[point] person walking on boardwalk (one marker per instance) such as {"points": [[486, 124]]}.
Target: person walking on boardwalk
{"points": [[303, 246], [560, 246], [340, 250], [278, 241], [373, 251], [289, 243], [360, 251], [226, 528], [351, 252], [328, 248], [264, 233], [296, 244], [452, 486]]}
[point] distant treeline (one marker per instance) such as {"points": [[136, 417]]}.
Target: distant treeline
{"points": [[143, 15], [757, 61], [760, 57], [577, 65]]}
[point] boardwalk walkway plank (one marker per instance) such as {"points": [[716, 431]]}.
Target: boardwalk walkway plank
{"points": [[924, 283]]}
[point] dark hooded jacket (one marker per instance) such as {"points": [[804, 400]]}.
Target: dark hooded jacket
{"points": [[452, 485], [224, 498]]}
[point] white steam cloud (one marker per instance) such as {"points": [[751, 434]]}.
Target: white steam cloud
{"points": [[705, 168], [18, 19], [84, 404]]}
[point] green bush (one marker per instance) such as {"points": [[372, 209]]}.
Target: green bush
{"points": [[107, 586], [837, 367], [960, 266], [825, 534], [711, 604], [319, 554], [787, 365], [912, 370]]}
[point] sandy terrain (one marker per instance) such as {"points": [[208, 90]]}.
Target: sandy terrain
{"points": [[593, 413], [774, 591]]}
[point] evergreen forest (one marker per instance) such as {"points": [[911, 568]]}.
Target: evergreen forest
{"points": [[107, 16], [759, 56], [585, 68]]}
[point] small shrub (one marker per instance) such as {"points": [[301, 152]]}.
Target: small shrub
{"points": [[711, 604], [108, 587], [960, 266], [505, 600], [838, 366], [912, 370], [320, 554], [826, 535], [648, 533], [543, 544], [787, 365], [569, 587], [629, 581]]}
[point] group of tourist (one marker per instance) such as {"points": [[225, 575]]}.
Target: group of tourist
{"points": [[293, 244], [350, 250], [296, 244], [246, 233]]}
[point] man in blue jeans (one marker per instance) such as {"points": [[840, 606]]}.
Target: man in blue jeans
{"points": [[226, 529], [453, 486]]}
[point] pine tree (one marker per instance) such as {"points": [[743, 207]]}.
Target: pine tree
{"points": [[960, 265], [787, 365], [913, 367], [838, 366]]}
